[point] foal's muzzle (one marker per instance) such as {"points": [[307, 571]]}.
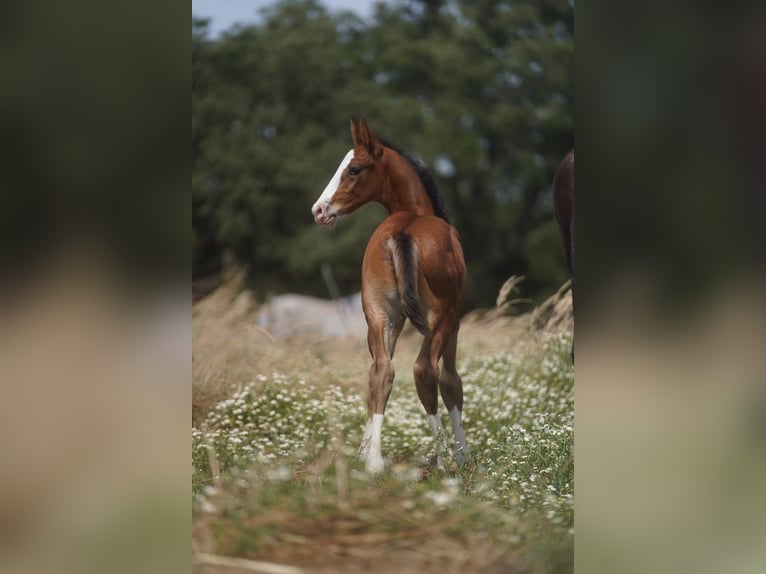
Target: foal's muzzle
{"points": [[321, 214]]}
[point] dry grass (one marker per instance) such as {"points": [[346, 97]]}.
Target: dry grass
{"points": [[327, 516], [228, 347]]}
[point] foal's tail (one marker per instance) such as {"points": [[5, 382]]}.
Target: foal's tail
{"points": [[404, 255]]}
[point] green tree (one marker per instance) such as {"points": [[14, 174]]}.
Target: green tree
{"points": [[482, 91]]}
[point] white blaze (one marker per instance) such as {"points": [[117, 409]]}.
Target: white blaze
{"points": [[329, 190]]}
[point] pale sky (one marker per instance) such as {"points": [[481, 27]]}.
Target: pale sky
{"points": [[224, 13]]}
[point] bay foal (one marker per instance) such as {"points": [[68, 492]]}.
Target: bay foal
{"points": [[413, 268]]}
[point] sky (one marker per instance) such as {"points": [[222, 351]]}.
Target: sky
{"points": [[224, 13]]}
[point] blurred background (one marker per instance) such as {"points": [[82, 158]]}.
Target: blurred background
{"points": [[96, 354], [481, 92]]}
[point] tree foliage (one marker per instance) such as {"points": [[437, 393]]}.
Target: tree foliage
{"points": [[481, 91]]}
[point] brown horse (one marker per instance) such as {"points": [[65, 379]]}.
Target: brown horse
{"points": [[563, 206], [413, 268]]}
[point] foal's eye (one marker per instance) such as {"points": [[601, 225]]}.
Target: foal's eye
{"points": [[355, 170]]}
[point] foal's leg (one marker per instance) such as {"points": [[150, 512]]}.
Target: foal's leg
{"points": [[451, 388], [382, 333], [426, 371]]}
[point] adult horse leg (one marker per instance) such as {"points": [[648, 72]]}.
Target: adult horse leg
{"points": [[451, 388], [572, 270], [382, 333], [563, 206]]}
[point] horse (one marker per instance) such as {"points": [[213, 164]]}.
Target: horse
{"points": [[563, 207], [413, 268]]}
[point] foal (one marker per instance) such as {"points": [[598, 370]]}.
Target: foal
{"points": [[413, 268]]}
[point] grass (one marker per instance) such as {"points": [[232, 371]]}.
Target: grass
{"points": [[275, 474]]}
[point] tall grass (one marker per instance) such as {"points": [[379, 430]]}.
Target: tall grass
{"points": [[290, 488]]}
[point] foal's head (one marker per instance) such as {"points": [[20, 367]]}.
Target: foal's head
{"points": [[357, 180]]}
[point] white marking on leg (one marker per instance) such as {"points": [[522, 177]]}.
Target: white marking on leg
{"points": [[364, 448], [375, 456], [436, 425], [461, 449], [439, 436], [330, 188]]}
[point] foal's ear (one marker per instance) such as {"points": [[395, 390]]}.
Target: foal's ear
{"points": [[370, 140], [355, 133]]}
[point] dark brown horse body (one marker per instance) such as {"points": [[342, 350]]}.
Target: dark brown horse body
{"points": [[413, 268], [563, 206]]}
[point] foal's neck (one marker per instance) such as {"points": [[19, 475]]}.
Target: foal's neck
{"points": [[403, 190]]}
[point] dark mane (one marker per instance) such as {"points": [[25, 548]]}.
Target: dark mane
{"points": [[428, 181]]}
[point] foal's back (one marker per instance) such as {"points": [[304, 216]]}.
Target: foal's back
{"points": [[436, 257]]}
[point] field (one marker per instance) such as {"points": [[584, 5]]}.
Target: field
{"points": [[276, 425]]}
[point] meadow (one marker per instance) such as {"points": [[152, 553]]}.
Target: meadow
{"points": [[276, 425]]}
